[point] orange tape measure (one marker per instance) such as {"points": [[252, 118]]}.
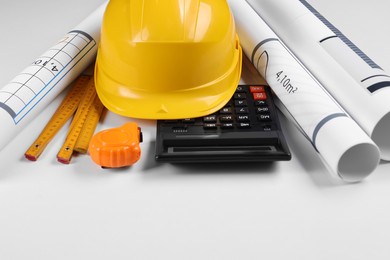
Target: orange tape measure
{"points": [[116, 147], [82, 102]]}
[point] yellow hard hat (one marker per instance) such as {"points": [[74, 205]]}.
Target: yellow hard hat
{"points": [[167, 59]]}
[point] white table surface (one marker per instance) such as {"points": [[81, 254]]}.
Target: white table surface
{"points": [[283, 210]]}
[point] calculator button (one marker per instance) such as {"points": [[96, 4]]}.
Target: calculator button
{"points": [[210, 126], [262, 110], [240, 103], [227, 125], [240, 89], [256, 89], [242, 118], [260, 103], [244, 125], [242, 110], [226, 110], [226, 119], [259, 96], [264, 117], [210, 119], [239, 96]]}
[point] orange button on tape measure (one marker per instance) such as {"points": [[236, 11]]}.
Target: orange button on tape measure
{"points": [[116, 147]]}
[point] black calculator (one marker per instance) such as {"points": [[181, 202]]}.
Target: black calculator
{"points": [[246, 129]]}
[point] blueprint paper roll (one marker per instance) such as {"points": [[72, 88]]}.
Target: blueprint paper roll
{"points": [[25, 96], [344, 70], [344, 147]]}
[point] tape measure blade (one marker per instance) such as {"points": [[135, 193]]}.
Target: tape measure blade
{"points": [[63, 113], [89, 126], [66, 151]]}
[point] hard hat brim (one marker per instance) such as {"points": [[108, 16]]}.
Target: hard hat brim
{"points": [[188, 103]]}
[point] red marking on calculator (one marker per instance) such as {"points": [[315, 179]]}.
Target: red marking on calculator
{"points": [[259, 96], [256, 89]]}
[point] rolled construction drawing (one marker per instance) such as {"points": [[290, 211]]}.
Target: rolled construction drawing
{"points": [[344, 70], [345, 148], [25, 96]]}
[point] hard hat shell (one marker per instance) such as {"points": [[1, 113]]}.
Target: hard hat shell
{"points": [[167, 59]]}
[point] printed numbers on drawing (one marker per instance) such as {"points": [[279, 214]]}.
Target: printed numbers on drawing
{"points": [[38, 62], [49, 64], [284, 80]]}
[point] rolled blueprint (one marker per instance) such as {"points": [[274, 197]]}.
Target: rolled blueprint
{"points": [[36, 86], [344, 147], [344, 70]]}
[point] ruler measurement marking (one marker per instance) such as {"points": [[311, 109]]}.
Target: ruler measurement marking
{"points": [[87, 99], [63, 113], [89, 126]]}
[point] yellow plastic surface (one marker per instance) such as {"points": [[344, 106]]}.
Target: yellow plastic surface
{"points": [[167, 59]]}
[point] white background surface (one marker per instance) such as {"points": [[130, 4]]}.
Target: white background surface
{"points": [[284, 210]]}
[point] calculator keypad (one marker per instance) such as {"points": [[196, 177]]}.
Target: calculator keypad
{"points": [[248, 108], [249, 120]]}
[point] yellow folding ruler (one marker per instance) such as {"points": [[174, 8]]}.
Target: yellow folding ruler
{"points": [[82, 103]]}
